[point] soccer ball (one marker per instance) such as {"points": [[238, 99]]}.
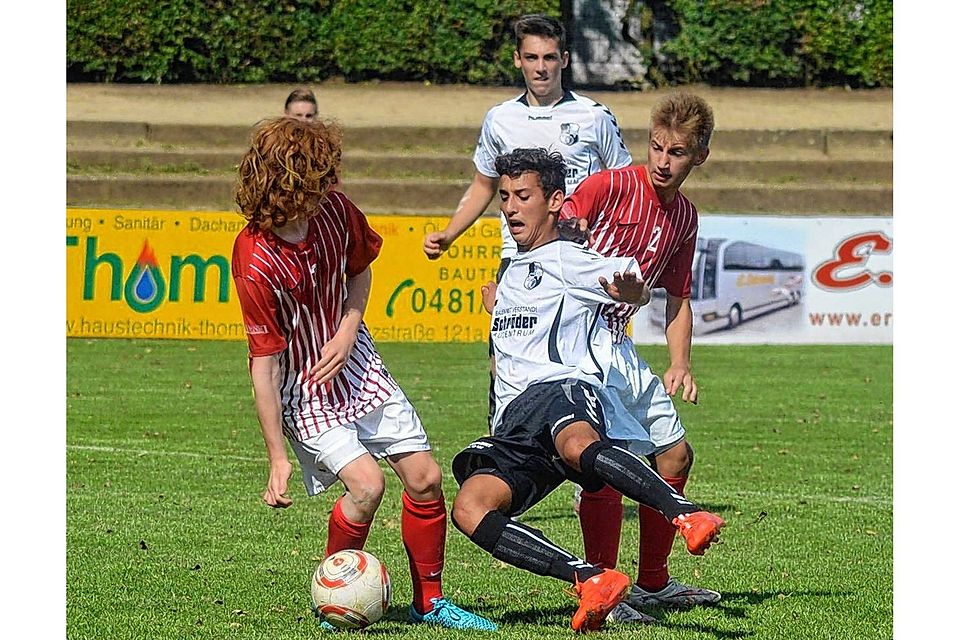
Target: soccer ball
{"points": [[351, 589]]}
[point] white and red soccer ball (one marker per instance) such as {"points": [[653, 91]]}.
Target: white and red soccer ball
{"points": [[351, 589]]}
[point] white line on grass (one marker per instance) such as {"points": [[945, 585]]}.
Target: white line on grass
{"points": [[873, 501], [160, 452]]}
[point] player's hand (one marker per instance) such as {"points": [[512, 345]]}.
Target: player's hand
{"points": [[333, 357], [627, 288], [488, 294], [576, 230], [275, 495], [435, 243], [676, 377]]}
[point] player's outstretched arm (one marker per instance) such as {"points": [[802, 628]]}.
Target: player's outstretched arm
{"points": [[627, 287], [472, 205], [265, 373], [335, 353]]}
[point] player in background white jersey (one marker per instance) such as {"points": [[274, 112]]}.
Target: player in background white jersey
{"points": [[546, 115], [551, 364], [639, 211], [302, 271]]}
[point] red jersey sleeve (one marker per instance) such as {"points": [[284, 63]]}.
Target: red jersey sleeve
{"points": [[582, 203], [260, 318], [677, 276], [363, 243]]}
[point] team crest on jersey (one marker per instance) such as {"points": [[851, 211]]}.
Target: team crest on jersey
{"points": [[569, 133], [534, 276]]}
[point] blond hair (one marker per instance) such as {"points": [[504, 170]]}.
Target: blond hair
{"points": [[687, 114], [288, 170]]}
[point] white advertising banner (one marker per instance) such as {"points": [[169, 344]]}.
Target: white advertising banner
{"points": [[786, 280]]}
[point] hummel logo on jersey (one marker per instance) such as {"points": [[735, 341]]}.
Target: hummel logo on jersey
{"points": [[529, 117], [569, 133], [534, 276]]}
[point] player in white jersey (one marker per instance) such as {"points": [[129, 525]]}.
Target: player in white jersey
{"points": [[584, 132], [550, 370], [302, 272], [546, 115]]}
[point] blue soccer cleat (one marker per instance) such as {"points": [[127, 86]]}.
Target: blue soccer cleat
{"points": [[448, 615]]}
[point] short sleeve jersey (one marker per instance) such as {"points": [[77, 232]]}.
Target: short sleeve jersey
{"points": [[291, 297], [584, 132], [546, 323], [626, 218]]}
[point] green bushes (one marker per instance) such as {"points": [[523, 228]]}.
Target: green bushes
{"points": [[226, 41], [783, 42], [721, 42]]}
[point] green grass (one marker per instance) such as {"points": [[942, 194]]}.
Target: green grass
{"points": [[167, 537]]}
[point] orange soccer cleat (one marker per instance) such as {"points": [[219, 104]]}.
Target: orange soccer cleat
{"points": [[700, 529], [598, 596]]}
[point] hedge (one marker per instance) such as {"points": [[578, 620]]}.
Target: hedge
{"points": [[227, 41], [721, 42], [779, 43]]}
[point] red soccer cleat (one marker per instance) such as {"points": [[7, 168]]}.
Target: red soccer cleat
{"points": [[598, 596], [700, 529]]}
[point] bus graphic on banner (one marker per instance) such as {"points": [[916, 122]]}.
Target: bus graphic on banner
{"points": [[735, 280]]}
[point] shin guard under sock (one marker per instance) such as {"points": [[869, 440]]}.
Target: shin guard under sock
{"points": [[526, 548], [423, 527], [656, 541], [343, 533], [630, 475], [601, 520]]}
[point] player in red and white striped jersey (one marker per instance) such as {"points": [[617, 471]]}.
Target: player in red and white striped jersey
{"points": [[639, 212], [302, 272]]}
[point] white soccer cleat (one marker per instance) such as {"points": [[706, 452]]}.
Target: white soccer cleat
{"points": [[675, 594], [626, 614]]}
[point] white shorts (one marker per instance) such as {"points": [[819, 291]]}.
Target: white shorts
{"points": [[392, 428], [638, 411]]}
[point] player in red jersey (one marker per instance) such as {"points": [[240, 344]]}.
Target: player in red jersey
{"points": [[302, 272], [639, 211]]}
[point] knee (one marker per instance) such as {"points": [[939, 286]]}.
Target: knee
{"points": [[571, 449], [366, 493], [425, 483], [676, 461], [467, 512]]}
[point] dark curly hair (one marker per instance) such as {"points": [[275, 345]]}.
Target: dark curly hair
{"points": [[287, 172], [549, 165]]}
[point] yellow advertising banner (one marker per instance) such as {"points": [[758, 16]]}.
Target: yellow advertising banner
{"points": [[166, 274]]}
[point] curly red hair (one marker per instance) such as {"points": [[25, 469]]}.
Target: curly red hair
{"points": [[287, 172]]}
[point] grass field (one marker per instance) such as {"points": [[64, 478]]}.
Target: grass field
{"points": [[167, 537]]}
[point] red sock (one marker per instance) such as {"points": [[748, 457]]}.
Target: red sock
{"points": [[601, 518], [343, 533], [423, 527], [656, 542]]}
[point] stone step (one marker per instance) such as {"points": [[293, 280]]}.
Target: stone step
{"points": [[462, 139], [459, 166], [433, 196]]}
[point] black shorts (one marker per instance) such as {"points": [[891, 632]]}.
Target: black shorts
{"points": [[522, 452]]}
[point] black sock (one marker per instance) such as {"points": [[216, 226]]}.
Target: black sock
{"points": [[526, 548], [631, 476]]}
